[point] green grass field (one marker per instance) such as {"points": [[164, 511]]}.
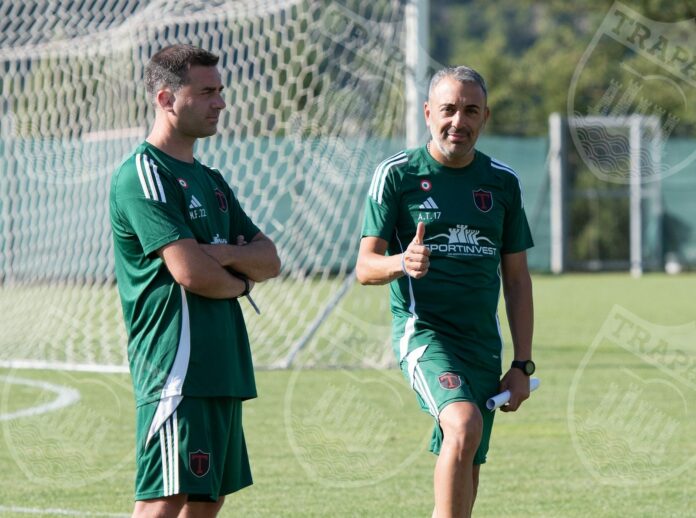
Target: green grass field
{"points": [[609, 433]]}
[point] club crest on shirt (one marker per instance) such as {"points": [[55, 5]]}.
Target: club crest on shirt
{"points": [[183, 183], [199, 463], [449, 381], [221, 199], [426, 185], [483, 200]]}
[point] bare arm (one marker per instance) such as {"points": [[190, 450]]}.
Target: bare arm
{"points": [[199, 273], [517, 289], [373, 267], [258, 259]]}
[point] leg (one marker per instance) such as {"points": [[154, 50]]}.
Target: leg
{"points": [[202, 509], [168, 507], [461, 424], [475, 473]]}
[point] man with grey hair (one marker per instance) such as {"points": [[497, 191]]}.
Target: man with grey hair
{"points": [[442, 222], [185, 252]]}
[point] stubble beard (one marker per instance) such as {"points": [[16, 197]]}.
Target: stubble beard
{"points": [[451, 154]]}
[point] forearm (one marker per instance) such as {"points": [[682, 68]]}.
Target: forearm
{"points": [[375, 269], [215, 282], [199, 273], [257, 260], [520, 311]]}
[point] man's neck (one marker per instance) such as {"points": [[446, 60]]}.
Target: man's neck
{"points": [[174, 145], [453, 163]]}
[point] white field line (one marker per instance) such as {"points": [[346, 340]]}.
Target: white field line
{"points": [[66, 397]]}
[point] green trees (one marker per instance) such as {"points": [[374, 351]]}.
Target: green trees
{"points": [[528, 51]]}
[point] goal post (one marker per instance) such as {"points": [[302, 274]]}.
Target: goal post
{"points": [[605, 193], [317, 92]]}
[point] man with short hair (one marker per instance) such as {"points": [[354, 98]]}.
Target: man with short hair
{"points": [[185, 252], [442, 223]]}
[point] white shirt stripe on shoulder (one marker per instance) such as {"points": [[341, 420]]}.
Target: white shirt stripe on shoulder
{"points": [[504, 167], [379, 171], [163, 198], [380, 176], [147, 168], [141, 177]]}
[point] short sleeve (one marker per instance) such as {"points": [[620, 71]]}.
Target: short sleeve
{"points": [[146, 205], [382, 206], [240, 223], [516, 233]]}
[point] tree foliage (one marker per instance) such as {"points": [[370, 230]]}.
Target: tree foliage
{"points": [[528, 52]]}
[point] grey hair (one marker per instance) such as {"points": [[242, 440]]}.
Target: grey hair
{"points": [[462, 73]]}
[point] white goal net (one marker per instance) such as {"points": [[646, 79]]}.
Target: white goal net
{"points": [[315, 95]]}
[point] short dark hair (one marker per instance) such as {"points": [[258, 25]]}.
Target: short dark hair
{"points": [[169, 67], [463, 74]]}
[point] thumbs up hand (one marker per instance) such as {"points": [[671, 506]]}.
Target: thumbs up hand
{"points": [[415, 260]]}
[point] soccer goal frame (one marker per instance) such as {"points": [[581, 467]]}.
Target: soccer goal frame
{"points": [[636, 164]]}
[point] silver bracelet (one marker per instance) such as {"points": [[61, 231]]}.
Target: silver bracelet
{"points": [[403, 265]]}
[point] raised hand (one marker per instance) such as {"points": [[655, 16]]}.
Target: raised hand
{"points": [[416, 258]]}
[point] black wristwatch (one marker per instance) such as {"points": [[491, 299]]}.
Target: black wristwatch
{"points": [[526, 366]]}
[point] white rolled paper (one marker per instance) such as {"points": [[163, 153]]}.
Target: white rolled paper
{"points": [[504, 397]]}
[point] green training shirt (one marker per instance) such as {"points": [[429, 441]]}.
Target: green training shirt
{"points": [[179, 343], [472, 215]]}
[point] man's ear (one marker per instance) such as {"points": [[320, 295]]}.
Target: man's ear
{"points": [[165, 100], [426, 113], [486, 116]]}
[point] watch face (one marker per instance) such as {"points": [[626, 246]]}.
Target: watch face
{"points": [[529, 367]]}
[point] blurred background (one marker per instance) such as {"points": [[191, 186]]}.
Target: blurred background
{"points": [[592, 104]]}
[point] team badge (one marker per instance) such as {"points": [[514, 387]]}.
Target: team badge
{"points": [[426, 185], [483, 200], [199, 463], [222, 201], [449, 381], [183, 183]]}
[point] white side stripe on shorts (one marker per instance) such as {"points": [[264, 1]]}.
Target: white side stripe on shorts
{"points": [[163, 452], [169, 449], [423, 391]]}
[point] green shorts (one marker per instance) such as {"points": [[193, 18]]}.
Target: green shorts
{"points": [[199, 450], [439, 378]]}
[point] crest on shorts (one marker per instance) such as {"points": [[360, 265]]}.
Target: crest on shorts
{"points": [[221, 199], [483, 200], [199, 463], [449, 381], [620, 119]]}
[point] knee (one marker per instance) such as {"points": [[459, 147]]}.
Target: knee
{"points": [[463, 427]]}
